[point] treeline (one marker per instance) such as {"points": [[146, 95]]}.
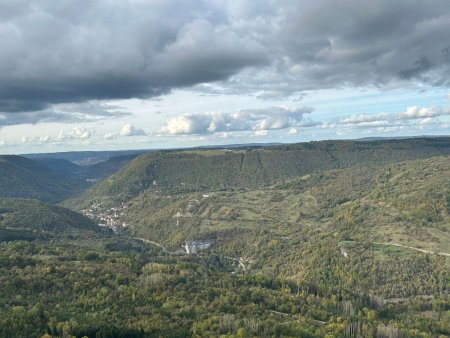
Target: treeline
{"points": [[62, 289], [208, 170], [21, 177], [23, 214]]}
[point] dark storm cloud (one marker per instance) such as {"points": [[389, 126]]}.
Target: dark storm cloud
{"points": [[352, 43], [72, 51], [75, 51], [67, 113]]}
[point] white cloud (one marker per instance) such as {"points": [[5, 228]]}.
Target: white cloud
{"points": [[76, 133], [391, 129], [275, 122], [225, 135], [189, 124], [242, 120], [293, 131], [413, 115], [38, 139], [364, 118], [328, 125], [429, 120], [416, 112], [261, 133], [45, 139], [109, 136], [130, 130], [127, 130]]}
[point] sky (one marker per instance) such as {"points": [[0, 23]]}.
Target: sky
{"points": [[146, 74]]}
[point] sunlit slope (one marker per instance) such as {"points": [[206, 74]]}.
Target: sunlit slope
{"points": [[213, 170], [409, 201], [369, 228]]}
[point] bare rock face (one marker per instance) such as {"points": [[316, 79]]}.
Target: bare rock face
{"points": [[194, 247]]}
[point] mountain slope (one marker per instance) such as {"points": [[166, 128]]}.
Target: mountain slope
{"points": [[363, 228], [409, 199], [222, 169], [106, 168], [84, 158], [25, 178], [60, 166], [92, 172], [22, 219], [358, 251]]}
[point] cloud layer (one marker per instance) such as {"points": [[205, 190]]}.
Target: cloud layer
{"points": [[66, 113], [349, 43], [73, 134], [73, 51], [243, 120], [413, 115]]}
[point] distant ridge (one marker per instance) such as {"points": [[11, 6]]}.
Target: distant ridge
{"points": [[24, 178], [89, 158], [85, 158], [217, 169], [378, 138], [59, 165]]}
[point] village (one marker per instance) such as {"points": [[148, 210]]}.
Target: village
{"points": [[114, 218], [108, 217]]}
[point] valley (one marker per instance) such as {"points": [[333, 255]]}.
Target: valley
{"points": [[322, 239]]}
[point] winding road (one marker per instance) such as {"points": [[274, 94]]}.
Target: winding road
{"points": [[156, 244], [413, 248]]}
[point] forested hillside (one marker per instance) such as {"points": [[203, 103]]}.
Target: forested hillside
{"points": [[37, 217], [106, 168], [25, 178], [60, 166], [223, 169], [371, 215], [325, 239]]}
